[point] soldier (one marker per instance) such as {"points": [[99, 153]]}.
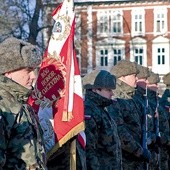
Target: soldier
{"points": [[128, 119], [161, 126], [164, 101], [21, 144], [142, 97], [103, 150]]}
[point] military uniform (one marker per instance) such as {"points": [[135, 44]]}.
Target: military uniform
{"points": [[21, 144], [160, 149], [103, 144], [128, 118], [129, 126], [21, 141], [141, 98], [103, 150], [164, 102]]}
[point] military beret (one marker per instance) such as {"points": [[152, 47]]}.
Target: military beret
{"points": [[143, 72], [153, 78], [99, 79], [16, 54], [124, 68], [166, 79]]}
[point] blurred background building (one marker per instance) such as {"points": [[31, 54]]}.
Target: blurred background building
{"points": [[108, 31]]}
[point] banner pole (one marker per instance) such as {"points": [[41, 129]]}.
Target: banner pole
{"points": [[73, 155]]}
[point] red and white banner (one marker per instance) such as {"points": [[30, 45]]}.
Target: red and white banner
{"points": [[58, 97]]}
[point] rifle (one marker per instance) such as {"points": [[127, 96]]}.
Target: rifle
{"points": [[145, 126], [157, 132]]}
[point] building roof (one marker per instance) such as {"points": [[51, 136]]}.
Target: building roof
{"points": [[102, 1], [113, 1]]}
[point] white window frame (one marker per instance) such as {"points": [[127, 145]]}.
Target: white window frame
{"points": [[106, 18], [160, 43], [109, 44], [139, 21], [138, 43], [139, 56], [104, 57], [118, 56], [117, 20], [102, 19], [159, 12]]}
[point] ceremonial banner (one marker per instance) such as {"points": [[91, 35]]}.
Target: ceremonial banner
{"points": [[58, 97]]}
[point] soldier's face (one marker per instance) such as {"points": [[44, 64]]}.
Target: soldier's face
{"points": [[153, 87], [24, 77], [107, 93], [131, 80], [142, 83]]}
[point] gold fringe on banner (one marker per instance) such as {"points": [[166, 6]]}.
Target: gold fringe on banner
{"points": [[73, 132]]}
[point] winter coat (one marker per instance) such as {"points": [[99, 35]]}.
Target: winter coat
{"points": [[103, 148], [21, 143]]}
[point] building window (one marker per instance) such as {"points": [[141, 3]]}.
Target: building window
{"points": [[78, 25], [117, 56], [103, 23], [116, 23], [160, 23], [161, 56], [160, 20], [138, 55], [138, 52], [110, 22], [78, 57], [138, 21], [104, 57]]}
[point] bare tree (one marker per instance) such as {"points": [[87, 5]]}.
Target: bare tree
{"points": [[22, 19]]}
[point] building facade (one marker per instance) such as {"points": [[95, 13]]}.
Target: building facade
{"points": [[108, 31]]}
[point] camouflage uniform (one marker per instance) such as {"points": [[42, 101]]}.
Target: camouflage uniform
{"points": [[21, 145], [142, 99], [128, 117], [103, 148], [161, 152], [165, 103], [129, 126]]}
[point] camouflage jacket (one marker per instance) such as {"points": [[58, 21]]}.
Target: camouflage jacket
{"points": [[128, 121], [165, 98], [103, 148], [21, 144], [164, 101], [142, 100], [163, 116]]}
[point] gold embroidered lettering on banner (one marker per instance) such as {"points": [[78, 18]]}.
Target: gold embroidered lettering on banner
{"points": [[49, 80]]}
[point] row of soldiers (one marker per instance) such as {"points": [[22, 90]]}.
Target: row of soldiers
{"points": [[128, 122]]}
